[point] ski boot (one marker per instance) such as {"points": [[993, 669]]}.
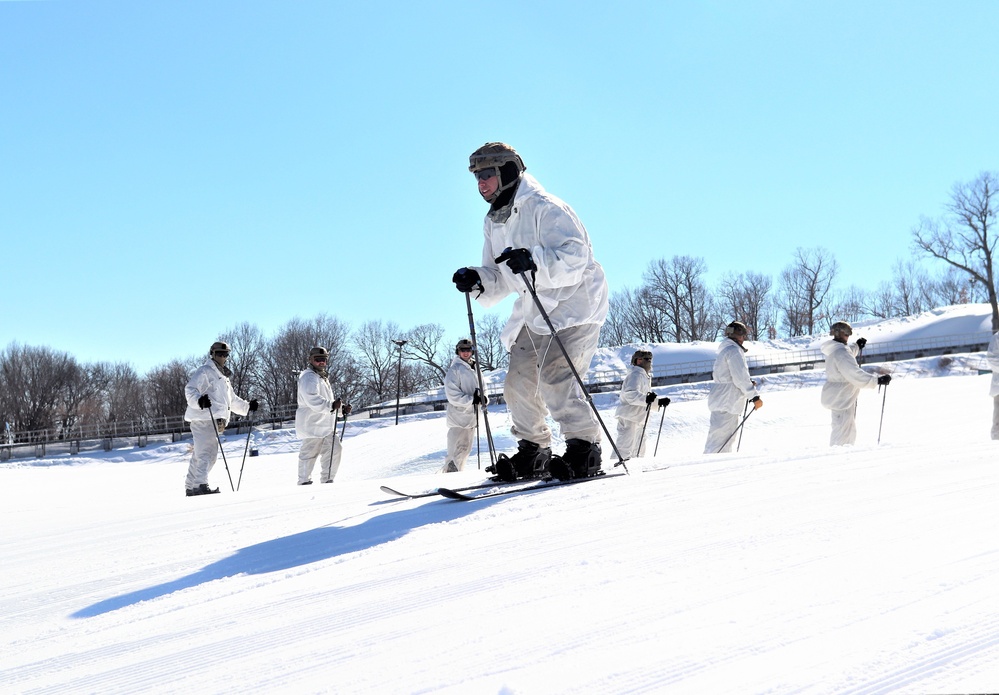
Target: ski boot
{"points": [[580, 460], [530, 461], [202, 489]]}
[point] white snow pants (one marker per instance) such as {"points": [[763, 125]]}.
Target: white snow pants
{"points": [[629, 432], [844, 426], [722, 427], [539, 382], [995, 417], [459, 446], [327, 449], [206, 452]]}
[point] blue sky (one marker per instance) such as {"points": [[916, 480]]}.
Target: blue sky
{"points": [[169, 169]]}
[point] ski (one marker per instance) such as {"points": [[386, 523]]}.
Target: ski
{"points": [[431, 493], [515, 488]]}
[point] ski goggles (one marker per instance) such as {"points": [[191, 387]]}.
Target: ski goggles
{"points": [[483, 174], [319, 358]]}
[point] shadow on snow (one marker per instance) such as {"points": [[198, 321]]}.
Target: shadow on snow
{"points": [[296, 550]]}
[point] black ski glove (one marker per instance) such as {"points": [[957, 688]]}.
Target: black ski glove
{"points": [[664, 401], [861, 343], [478, 399], [346, 409], [467, 280], [650, 398], [884, 379], [205, 402], [254, 405], [518, 260], [757, 402]]}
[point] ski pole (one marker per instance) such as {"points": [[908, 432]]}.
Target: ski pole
{"points": [[641, 439], [572, 367], [246, 448], [883, 397], [661, 420], [218, 436], [741, 428], [735, 430], [482, 388], [478, 438]]}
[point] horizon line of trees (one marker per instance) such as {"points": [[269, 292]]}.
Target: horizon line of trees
{"points": [[42, 388]]}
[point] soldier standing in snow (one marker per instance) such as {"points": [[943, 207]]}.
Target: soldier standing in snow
{"points": [[636, 399], [993, 359], [463, 399], [315, 420], [210, 402], [844, 379], [528, 230], [731, 389]]}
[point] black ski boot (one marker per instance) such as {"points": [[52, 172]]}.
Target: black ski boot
{"points": [[530, 461], [581, 457], [202, 489]]}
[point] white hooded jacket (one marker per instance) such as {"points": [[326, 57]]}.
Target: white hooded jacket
{"points": [[634, 388], [844, 377], [733, 386], [460, 383], [314, 417], [570, 284], [208, 380]]}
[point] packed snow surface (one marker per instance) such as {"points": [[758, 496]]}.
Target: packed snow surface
{"points": [[787, 567]]}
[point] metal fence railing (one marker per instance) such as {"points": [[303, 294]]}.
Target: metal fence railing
{"points": [[79, 438]]}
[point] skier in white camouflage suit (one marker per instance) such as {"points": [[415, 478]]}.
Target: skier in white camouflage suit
{"points": [[529, 230], [731, 389], [636, 399], [462, 390], [210, 403], [315, 420], [844, 379]]}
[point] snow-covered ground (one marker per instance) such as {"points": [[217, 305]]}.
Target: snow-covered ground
{"points": [[788, 567]]}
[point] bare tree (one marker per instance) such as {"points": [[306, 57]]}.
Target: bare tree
{"points": [[164, 386], [246, 357], [489, 350], [286, 355], [746, 298], [964, 236], [123, 396], [377, 356], [676, 289], [425, 344], [851, 306], [804, 287], [617, 328], [34, 382]]}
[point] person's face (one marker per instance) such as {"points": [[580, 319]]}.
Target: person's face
{"points": [[220, 356], [739, 337], [465, 354], [645, 363], [319, 361], [841, 337], [488, 181]]}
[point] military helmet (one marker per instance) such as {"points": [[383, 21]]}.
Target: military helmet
{"points": [[494, 154], [218, 346], [840, 328], [639, 354], [463, 343], [736, 328], [317, 351]]}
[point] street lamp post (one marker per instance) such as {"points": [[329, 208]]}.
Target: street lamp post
{"points": [[398, 377]]}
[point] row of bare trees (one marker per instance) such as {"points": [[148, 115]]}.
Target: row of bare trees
{"points": [[675, 304], [42, 388], [46, 389]]}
